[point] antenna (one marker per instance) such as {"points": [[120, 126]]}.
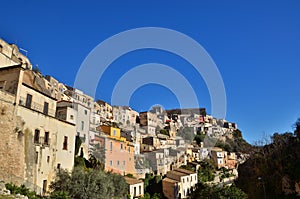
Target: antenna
{"points": [[24, 51]]}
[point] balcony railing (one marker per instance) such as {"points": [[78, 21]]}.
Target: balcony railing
{"points": [[42, 141], [36, 107]]}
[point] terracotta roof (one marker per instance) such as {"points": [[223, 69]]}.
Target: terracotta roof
{"points": [[132, 180], [178, 173], [170, 180], [216, 149], [185, 171]]}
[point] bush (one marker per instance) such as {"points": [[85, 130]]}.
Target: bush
{"points": [[23, 190]]}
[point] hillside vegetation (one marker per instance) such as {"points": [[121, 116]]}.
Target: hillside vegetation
{"points": [[273, 171]]}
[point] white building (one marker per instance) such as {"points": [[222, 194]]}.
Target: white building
{"points": [[136, 187]]}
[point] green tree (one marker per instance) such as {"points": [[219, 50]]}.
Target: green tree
{"points": [[297, 128], [199, 138], [164, 131], [206, 171], [217, 192], [86, 183]]}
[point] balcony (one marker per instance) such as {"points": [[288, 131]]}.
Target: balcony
{"points": [[42, 141], [37, 107]]}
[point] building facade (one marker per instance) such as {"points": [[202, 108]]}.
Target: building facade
{"points": [[45, 142]]}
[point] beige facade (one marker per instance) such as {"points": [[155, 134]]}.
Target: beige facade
{"points": [[56, 89], [136, 187], [218, 157], [106, 110], [10, 56], [179, 183], [149, 121], [45, 143], [124, 115]]}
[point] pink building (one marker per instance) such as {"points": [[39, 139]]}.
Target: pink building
{"points": [[119, 155]]}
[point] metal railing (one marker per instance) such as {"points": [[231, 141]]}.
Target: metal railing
{"points": [[42, 141], [36, 107]]}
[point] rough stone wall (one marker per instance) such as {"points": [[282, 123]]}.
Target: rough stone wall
{"points": [[11, 142]]}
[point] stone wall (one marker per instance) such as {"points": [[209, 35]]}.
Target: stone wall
{"points": [[12, 141]]}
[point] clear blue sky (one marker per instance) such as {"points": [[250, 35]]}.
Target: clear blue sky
{"points": [[256, 46]]}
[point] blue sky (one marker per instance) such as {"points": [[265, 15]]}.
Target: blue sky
{"points": [[256, 46]]}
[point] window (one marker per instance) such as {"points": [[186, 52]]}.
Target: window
{"points": [[134, 191], [48, 159], [46, 107], [85, 112], [82, 125], [111, 146], [65, 144], [58, 166], [46, 138], [118, 162], [121, 146], [140, 189], [71, 117], [28, 101], [183, 180], [44, 187], [36, 136], [110, 162], [36, 157], [129, 149], [124, 162], [115, 132]]}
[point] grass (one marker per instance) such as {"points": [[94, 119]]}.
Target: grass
{"points": [[7, 197]]}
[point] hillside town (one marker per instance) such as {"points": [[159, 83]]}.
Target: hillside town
{"points": [[42, 119]]}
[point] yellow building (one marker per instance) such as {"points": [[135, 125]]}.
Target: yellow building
{"points": [[113, 132]]}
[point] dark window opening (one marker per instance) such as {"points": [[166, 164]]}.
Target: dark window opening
{"points": [[28, 101], [46, 107], [44, 187], [65, 145], [46, 138], [37, 136]]}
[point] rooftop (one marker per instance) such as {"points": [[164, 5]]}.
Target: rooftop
{"points": [[132, 181], [185, 171]]}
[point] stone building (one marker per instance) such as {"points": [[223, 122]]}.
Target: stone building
{"points": [[179, 183], [148, 121], [124, 115], [106, 111], [34, 142], [56, 88], [10, 55], [136, 187]]}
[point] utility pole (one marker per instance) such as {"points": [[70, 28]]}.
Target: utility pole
{"points": [[263, 183]]}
